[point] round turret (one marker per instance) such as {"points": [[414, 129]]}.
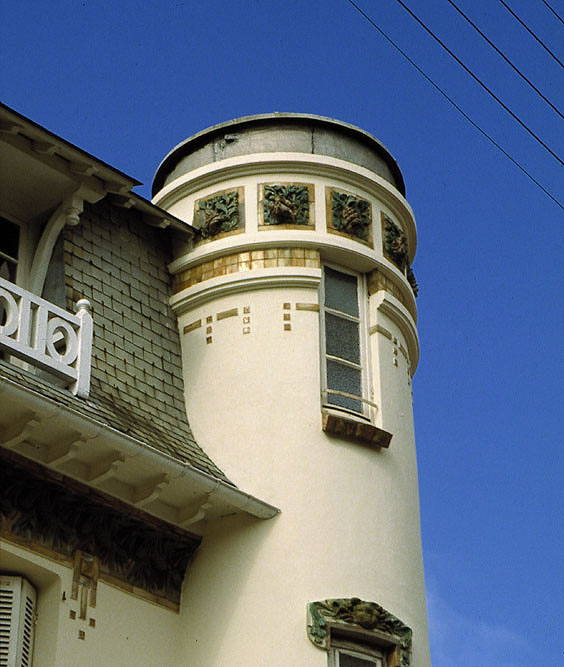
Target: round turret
{"points": [[296, 307]]}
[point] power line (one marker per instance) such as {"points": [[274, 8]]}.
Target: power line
{"points": [[481, 83], [554, 12], [455, 105], [524, 25], [506, 59]]}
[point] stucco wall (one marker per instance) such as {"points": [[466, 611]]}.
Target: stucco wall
{"points": [[126, 630]]}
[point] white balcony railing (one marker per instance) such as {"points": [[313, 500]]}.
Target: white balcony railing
{"points": [[46, 336]]}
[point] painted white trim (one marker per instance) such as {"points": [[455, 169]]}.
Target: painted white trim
{"points": [[33, 327], [89, 429], [66, 214], [399, 314]]}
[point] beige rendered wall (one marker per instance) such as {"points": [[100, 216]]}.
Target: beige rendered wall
{"points": [[127, 631], [349, 525]]}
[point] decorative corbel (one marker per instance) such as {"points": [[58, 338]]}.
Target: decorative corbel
{"points": [[18, 431], [68, 213], [188, 516]]}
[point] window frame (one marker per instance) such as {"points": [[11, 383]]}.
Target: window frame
{"points": [[368, 408], [358, 650], [361, 626]]}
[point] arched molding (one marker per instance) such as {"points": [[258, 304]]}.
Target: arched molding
{"points": [[68, 213]]}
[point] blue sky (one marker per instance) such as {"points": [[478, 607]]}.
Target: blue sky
{"points": [[127, 81]]}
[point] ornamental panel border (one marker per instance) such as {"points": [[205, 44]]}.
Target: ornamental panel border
{"points": [[353, 615]]}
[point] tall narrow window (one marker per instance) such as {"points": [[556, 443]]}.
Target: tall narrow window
{"points": [[9, 246], [341, 321]]}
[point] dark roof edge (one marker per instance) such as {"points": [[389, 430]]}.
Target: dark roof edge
{"points": [[56, 139], [188, 145], [151, 212], [153, 215]]}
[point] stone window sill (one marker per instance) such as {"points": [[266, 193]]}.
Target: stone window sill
{"points": [[346, 427]]}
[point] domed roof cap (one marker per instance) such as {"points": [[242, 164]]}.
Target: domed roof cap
{"points": [[279, 132]]}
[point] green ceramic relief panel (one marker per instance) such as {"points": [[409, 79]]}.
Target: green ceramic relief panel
{"points": [[286, 205], [351, 215], [395, 244], [218, 214]]}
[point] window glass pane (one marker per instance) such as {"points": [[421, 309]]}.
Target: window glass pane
{"points": [[7, 270], [347, 660], [341, 292], [342, 338], [343, 378], [9, 238]]}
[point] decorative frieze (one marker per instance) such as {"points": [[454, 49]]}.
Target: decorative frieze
{"points": [[350, 215], [287, 204], [354, 614], [60, 515], [219, 213], [245, 261]]}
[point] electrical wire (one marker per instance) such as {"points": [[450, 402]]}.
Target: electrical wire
{"points": [[455, 105], [481, 83], [524, 25], [554, 12], [506, 59]]}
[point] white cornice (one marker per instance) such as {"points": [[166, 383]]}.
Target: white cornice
{"points": [[213, 288]]}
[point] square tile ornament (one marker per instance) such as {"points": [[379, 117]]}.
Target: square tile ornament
{"points": [[286, 205], [220, 213], [349, 215]]}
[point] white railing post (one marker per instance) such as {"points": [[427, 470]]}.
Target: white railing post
{"points": [[46, 336], [82, 385]]}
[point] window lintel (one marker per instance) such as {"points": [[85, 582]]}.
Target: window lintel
{"points": [[355, 619]]}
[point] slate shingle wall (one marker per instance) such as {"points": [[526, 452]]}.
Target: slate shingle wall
{"points": [[118, 263]]}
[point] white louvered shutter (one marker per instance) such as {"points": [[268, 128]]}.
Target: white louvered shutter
{"points": [[17, 618]]}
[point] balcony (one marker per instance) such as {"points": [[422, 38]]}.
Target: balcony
{"points": [[47, 337]]}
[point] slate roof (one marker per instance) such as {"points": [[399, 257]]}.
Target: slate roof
{"points": [[119, 263], [177, 443]]}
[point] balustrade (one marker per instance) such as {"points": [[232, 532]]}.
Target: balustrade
{"points": [[46, 336]]}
